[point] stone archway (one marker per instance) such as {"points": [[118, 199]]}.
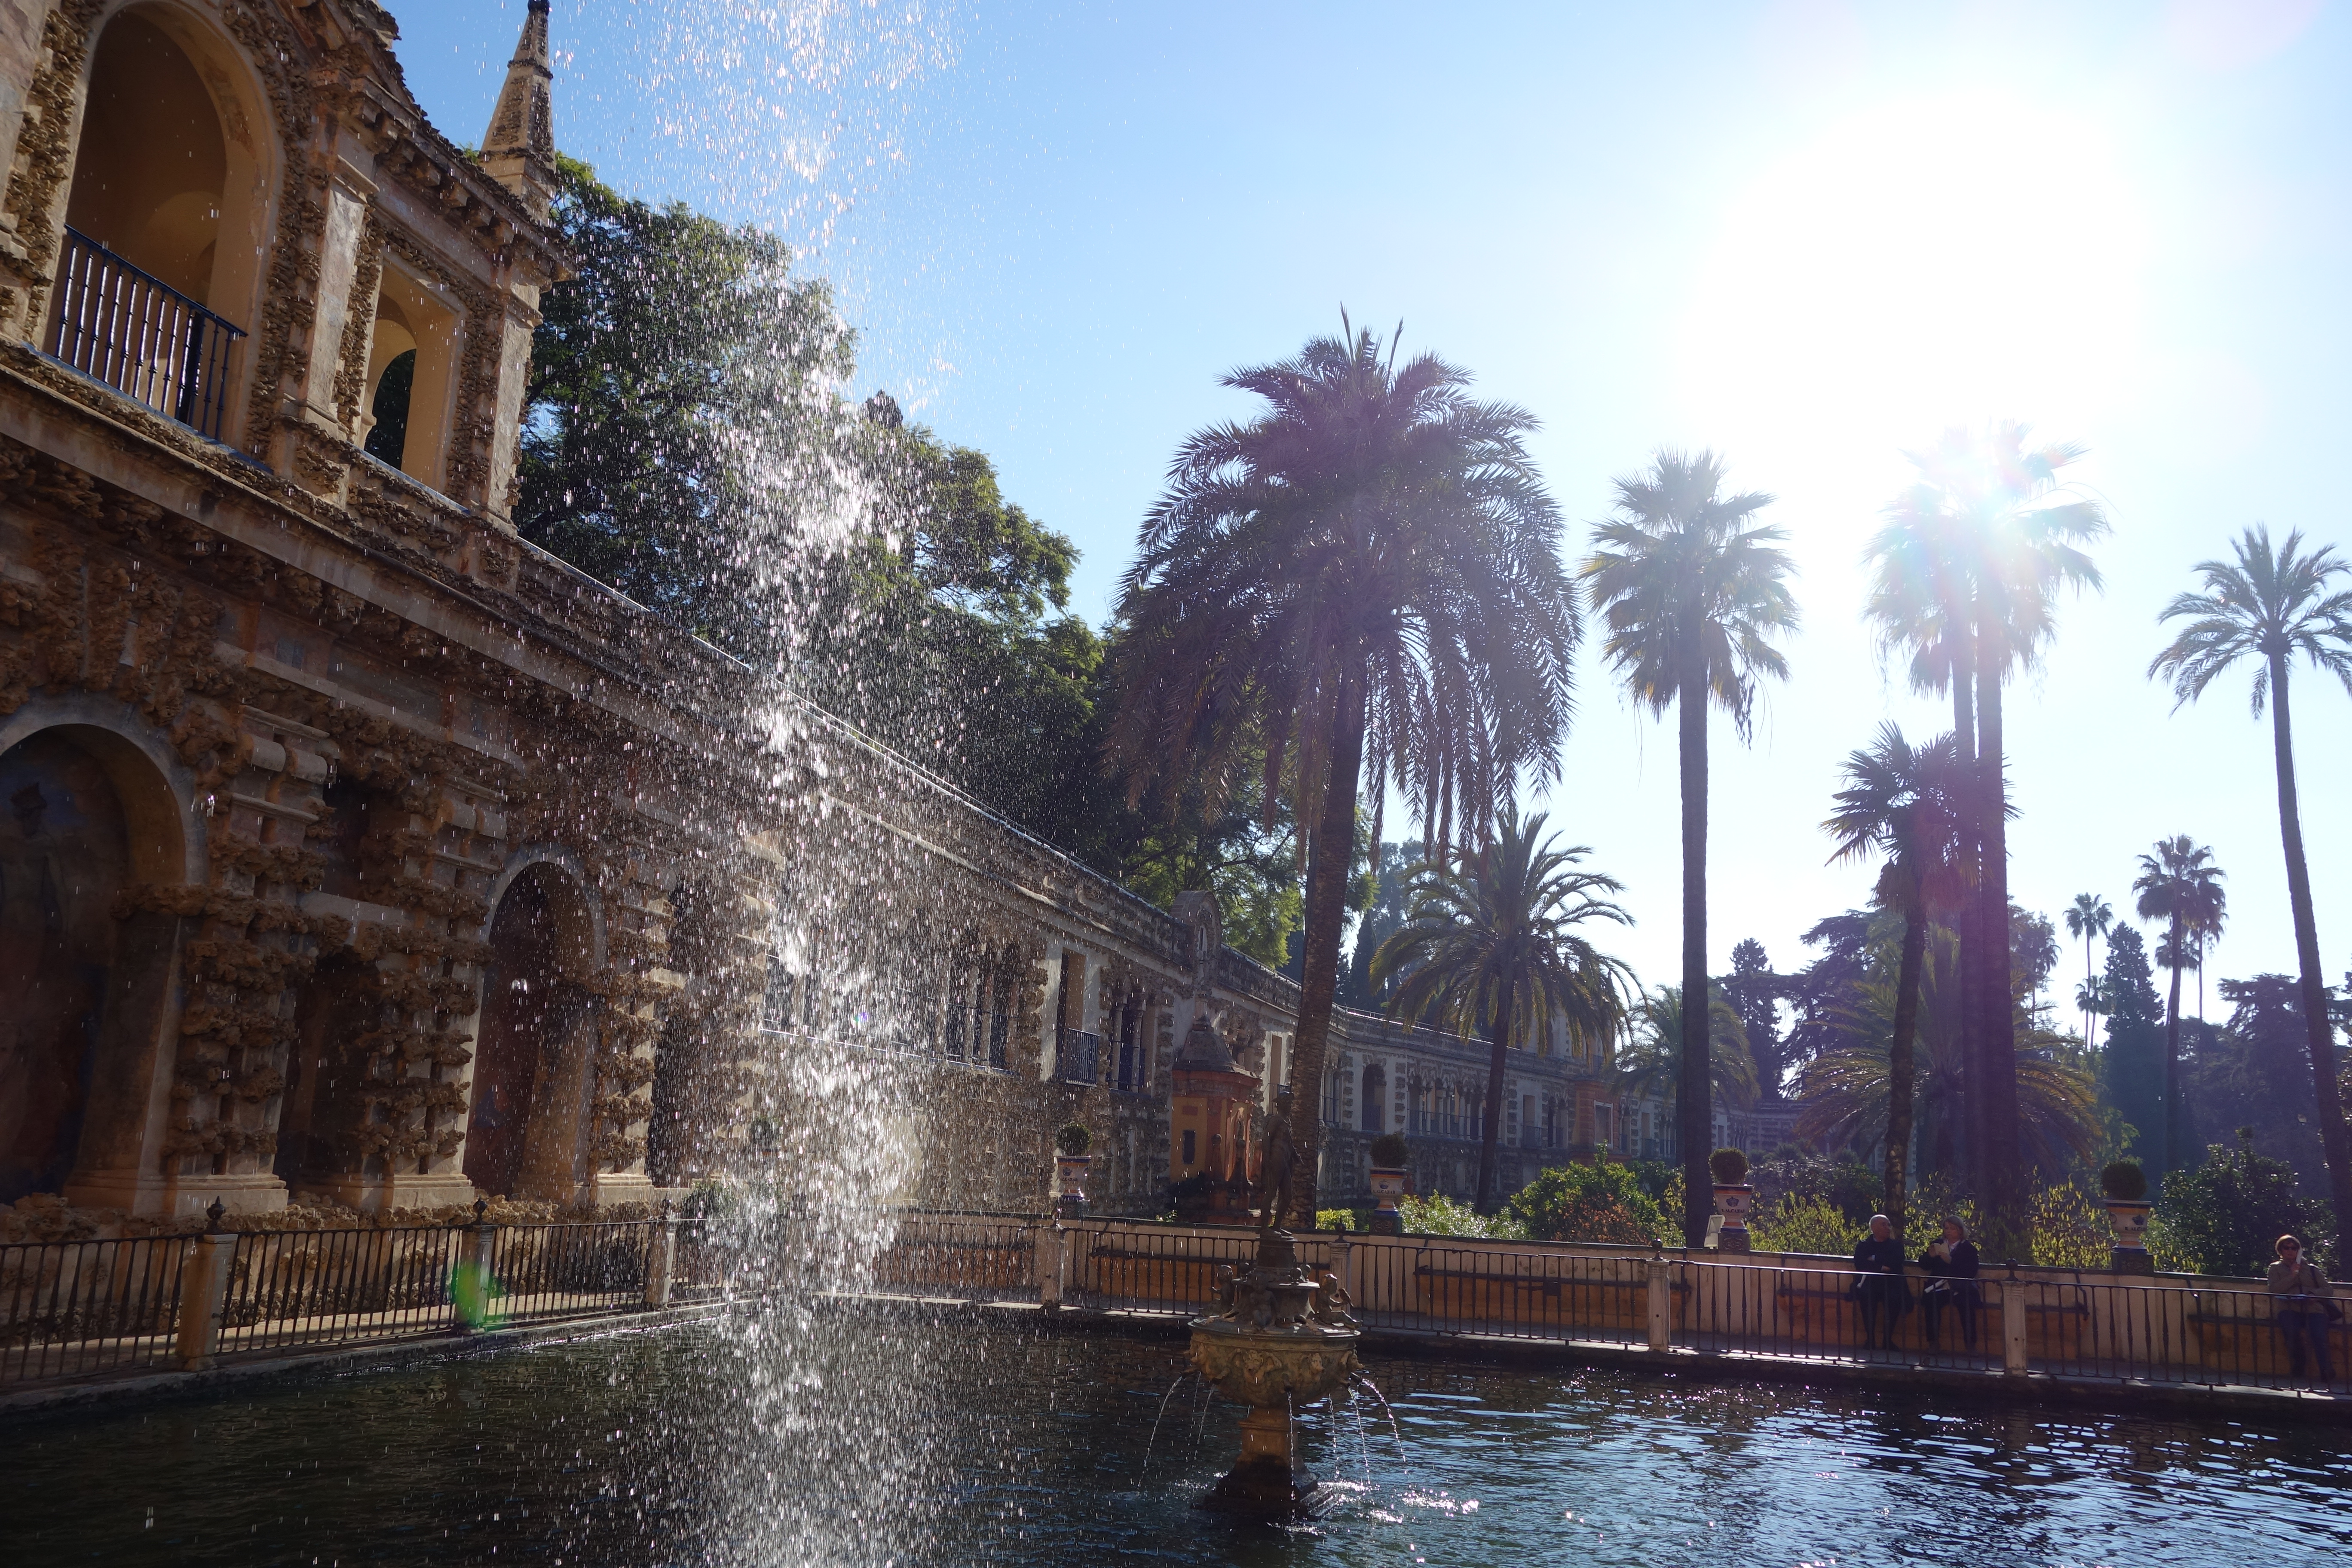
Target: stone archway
{"points": [[85, 814], [534, 1053]]}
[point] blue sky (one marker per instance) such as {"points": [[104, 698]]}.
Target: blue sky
{"points": [[1807, 233]]}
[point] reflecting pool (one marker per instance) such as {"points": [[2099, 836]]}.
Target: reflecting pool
{"points": [[861, 1440]]}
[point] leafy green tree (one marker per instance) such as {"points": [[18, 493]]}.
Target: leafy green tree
{"points": [[1754, 992], [2225, 1216], [1965, 575], [2179, 884], [1491, 940], [1391, 893], [1368, 573], [2270, 606], [1904, 803], [1603, 1202], [681, 411], [1694, 591], [2254, 1072], [2132, 1064], [2088, 917]]}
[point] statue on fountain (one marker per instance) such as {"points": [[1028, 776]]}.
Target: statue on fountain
{"points": [[1276, 1166]]}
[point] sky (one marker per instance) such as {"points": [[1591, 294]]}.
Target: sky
{"points": [[1807, 233]]}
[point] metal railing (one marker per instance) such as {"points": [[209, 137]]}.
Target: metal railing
{"points": [[972, 1256], [2172, 1333], [72, 1308], [1158, 1268], [1837, 1314], [568, 1270], [338, 1286], [1078, 1056], [138, 335], [1432, 1286]]}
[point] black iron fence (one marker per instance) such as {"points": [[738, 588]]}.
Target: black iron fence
{"points": [[141, 336], [74, 1309], [1431, 1285], [337, 1287]]}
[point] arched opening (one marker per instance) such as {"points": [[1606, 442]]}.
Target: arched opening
{"points": [[388, 436], [165, 216], [410, 362], [83, 815], [526, 1135], [1376, 1094]]}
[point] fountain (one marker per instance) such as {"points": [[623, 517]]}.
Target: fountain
{"points": [[1283, 1339]]}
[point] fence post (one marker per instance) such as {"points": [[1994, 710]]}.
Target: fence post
{"points": [[2012, 1323], [1343, 1263], [204, 1292], [1661, 1304], [661, 1258], [1051, 1253]]}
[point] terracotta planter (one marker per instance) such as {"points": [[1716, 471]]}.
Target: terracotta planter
{"points": [[1387, 1185], [1733, 1202], [1070, 1178]]}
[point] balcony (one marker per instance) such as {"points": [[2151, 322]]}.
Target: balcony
{"points": [[1080, 1056], [140, 336]]}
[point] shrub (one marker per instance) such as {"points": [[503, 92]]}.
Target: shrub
{"points": [[1337, 1219], [1603, 1203], [2068, 1230], [1805, 1224], [1728, 1166], [2123, 1181], [1438, 1214], [1856, 1189], [1389, 1152], [2223, 1217], [1073, 1140]]}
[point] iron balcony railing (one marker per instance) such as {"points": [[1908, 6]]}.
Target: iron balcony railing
{"points": [[1080, 1054], [141, 336]]}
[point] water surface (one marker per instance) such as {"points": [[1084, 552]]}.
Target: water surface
{"points": [[869, 1442]]}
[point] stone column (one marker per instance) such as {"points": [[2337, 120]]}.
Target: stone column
{"points": [[319, 434]]}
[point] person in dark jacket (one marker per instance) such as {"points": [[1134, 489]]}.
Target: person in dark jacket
{"points": [[1882, 1295], [1951, 1263]]}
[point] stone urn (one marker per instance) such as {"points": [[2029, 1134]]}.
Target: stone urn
{"points": [[1282, 1340], [1387, 1185], [1070, 1184], [1733, 1201], [2129, 1254]]}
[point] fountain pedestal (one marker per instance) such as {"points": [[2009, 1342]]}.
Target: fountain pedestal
{"points": [[1284, 1341]]}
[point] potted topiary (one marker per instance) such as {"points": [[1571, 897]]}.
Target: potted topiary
{"points": [[1732, 1192], [2126, 1186], [1389, 1157], [1071, 1163]]}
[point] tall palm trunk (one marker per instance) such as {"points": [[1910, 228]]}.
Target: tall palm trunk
{"points": [[2319, 1030], [1965, 926], [2089, 979], [1698, 1120], [1900, 1054], [2173, 1131], [1996, 1012], [1490, 1135], [1330, 854]]}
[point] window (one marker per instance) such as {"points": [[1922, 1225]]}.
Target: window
{"points": [[1376, 1094], [166, 229], [410, 365], [1131, 1073]]}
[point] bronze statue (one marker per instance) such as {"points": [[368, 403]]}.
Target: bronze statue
{"points": [[1278, 1164]]}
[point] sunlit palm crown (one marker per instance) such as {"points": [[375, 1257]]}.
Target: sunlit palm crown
{"points": [[1374, 525], [1985, 537], [1904, 803], [1682, 560], [2267, 605], [1505, 916], [2180, 881], [1652, 1065]]}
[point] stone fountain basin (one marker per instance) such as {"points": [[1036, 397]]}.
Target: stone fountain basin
{"points": [[1270, 1368]]}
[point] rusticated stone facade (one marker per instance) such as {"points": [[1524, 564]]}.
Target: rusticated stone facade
{"points": [[353, 851]]}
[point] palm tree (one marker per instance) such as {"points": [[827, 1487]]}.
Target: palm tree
{"points": [[1904, 804], [2179, 884], [2088, 917], [1651, 1064], [1850, 1086], [1368, 573], [1694, 592], [1489, 940], [2270, 606], [1967, 567]]}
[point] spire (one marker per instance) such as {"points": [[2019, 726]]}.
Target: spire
{"points": [[518, 149]]}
